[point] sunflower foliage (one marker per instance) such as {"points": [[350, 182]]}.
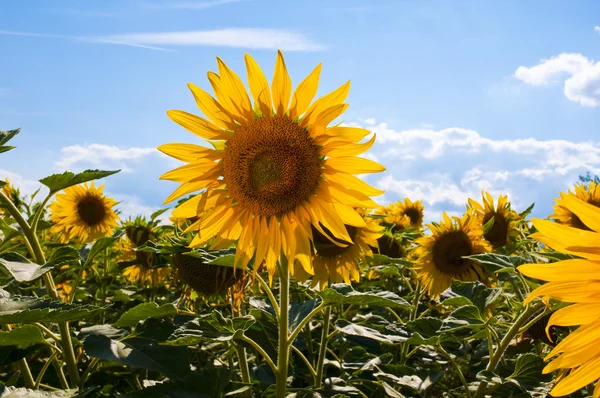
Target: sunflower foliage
{"points": [[378, 302]]}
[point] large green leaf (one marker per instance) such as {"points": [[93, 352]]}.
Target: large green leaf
{"points": [[5, 148], [58, 182], [426, 326], [98, 247], [21, 309], [211, 326], [6, 136], [353, 329], [139, 353], [477, 293], [64, 255], [22, 337], [342, 293], [21, 268], [465, 317], [145, 311], [498, 263]]}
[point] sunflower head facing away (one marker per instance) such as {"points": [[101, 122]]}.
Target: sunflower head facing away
{"points": [[83, 213], [589, 194], [208, 279], [440, 255], [338, 261], [138, 232], [505, 219], [575, 281], [275, 169]]}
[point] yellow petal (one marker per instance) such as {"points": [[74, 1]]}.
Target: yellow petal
{"points": [[281, 88], [189, 152], [587, 213], [235, 89], [224, 99], [350, 134], [578, 378], [349, 197], [274, 248], [261, 237], [211, 108], [326, 117], [351, 182], [336, 97], [195, 124], [575, 314], [567, 270], [186, 188], [347, 149], [189, 171], [188, 209], [259, 87], [354, 165], [566, 239], [571, 292], [305, 92], [349, 216]]}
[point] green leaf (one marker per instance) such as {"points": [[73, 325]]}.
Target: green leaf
{"points": [[58, 182], [5, 148], [6, 136], [99, 246], [22, 337], [158, 213], [265, 331], [21, 309], [299, 311], [65, 255], [488, 225], [465, 317], [413, 382], [496, 263], [22, 392], [139, 353], [2, 183], [426, 326], [211, 326], [145, 311], [480, 295], [528, 365], [21, 268], [527, 211], [353, 329], [342, 293]]}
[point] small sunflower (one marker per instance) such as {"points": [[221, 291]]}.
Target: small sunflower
{"points": [[505, 219], [83, 213], [574, 281], [440, 255], [208, 279], [335, 263], [137, 233], [589, 194], [276, 169], [392, 217], [403, 214]]}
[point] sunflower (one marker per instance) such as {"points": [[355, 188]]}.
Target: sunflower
{"points": [[334, 263], [137, 233], [505, 219], [83, 213], [208, 279], [589, 194], [403, 214], [574, 281], [392, 217], [440, 255], [276, 170]]}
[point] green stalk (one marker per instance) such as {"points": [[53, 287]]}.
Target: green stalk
{"points": [[323, 348], [244, 370], [63, 327], [512, 332], [283, 352], [307, 319], [413, 315]]}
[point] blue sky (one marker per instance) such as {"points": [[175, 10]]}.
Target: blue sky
{"points": [[463, 96]]}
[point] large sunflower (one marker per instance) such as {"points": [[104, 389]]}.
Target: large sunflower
{"points": [[505, 219], [440, 255], [275, 170], [83, 213], [589, 194], [574, 281], [334, 263]]}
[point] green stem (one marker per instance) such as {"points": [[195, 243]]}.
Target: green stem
{"points": [[413, 315], [262, 352], [243, 362], [307, 319], [534, 320], [38, 213], [61, 375], [283, 349], [272, 298], [43, 370], [458, 370], [309, 344], [323, 347], [22, 363], [87, 372], [308, 364], [512, 332], [63, 327]]}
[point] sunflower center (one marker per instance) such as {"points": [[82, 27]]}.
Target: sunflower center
{"points": [[91, 210], [498, 234], [414, 215], [326, 248], [271, 166], [448, 251]]}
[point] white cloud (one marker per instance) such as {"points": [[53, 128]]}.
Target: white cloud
{"points": [[132, 206], [582, 84], [255, 38], [102, 156], [25, 185], [596, 28]]}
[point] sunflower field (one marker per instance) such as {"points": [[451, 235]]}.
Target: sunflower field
{"points": [[274, 272]]}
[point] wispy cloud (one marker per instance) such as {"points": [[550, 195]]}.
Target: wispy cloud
{"points": [[255, 38], [102, 156]]}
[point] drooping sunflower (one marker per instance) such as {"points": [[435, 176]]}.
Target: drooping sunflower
{"points": [[83, 213], [440, 254], [275, 170], [138, 232], [574, 281], [334, 263], [505, 219], [208, 279], [589, 194]]}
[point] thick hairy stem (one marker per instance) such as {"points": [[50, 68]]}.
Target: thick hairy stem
{"points": [[323, 347], [283, 351]]}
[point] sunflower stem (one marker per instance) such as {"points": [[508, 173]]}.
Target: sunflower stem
{"points": [[323, 348], [284, 350], [65, 336], [244, 370], [512, 332], [269, 292], [307, 319], [458, 370], [413, 315]]}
